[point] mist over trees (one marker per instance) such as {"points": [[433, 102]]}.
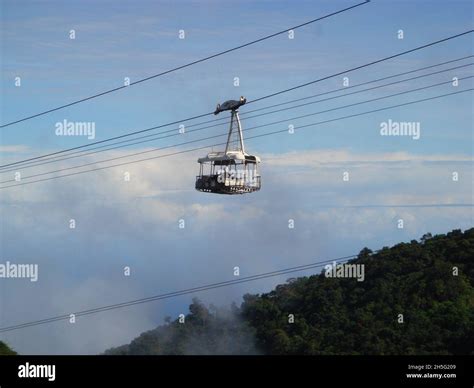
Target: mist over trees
{"points": [[205, 331]]}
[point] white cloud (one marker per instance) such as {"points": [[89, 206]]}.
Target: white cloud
{"points": [[317, 157]]}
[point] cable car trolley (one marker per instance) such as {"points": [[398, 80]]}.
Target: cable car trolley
{"points": [[233, 171]]}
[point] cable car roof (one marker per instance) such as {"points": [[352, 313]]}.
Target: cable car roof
{"points": [[230, 155], [230, 105]]}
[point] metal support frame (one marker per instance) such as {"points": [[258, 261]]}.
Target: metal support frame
{"points": [[235, 117]]}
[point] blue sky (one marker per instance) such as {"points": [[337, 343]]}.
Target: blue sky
{"points": [[135, 223]]}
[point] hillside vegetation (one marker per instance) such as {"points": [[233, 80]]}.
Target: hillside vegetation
{"points": [[5, 350]]}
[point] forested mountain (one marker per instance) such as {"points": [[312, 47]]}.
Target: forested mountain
{"points": [[415, 298]]}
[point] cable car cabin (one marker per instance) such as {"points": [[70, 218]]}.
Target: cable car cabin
{"points": [[228, 173], [232, 171]]}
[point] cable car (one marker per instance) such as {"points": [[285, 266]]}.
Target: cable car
{"points": [[233, 171]]}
